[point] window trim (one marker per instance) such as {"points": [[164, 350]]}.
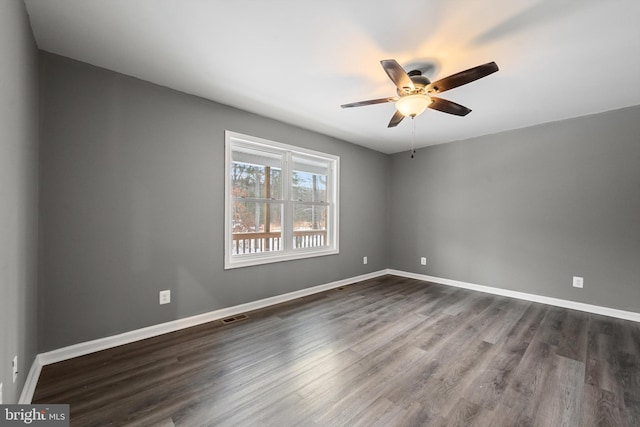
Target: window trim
{"points": [[245, 260]]}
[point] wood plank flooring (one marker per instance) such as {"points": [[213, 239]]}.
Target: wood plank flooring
{"points": [[389, 351]]}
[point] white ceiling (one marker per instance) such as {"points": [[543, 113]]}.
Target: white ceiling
{"points": [[297, 61]]}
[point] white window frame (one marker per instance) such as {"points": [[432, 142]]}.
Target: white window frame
{"points": [[288, 253]]}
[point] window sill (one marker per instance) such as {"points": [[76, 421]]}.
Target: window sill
{"points": [[269, 258]]}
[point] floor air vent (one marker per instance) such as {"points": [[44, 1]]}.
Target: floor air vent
{"points": [[234, 319]]}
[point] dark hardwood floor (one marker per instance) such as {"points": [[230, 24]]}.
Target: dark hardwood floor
{"points": [[389, 351]]}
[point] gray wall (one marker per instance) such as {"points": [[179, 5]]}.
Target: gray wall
{"points": [[18, 195], [132, 196], [131, 203], [528, 209]]}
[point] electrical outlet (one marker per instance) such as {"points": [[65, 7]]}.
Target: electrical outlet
{"points": [[423, 260], [578, 282], [165, 297], [14, 367], [364, 260]]}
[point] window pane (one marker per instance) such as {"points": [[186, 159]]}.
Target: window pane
{"points": [[308, 187], [257, 227], [256, 181], [309, 226], [309, 179]]}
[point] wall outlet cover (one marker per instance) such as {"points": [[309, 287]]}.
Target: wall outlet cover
{"points": [[423, 260], [364, 260], [578, 282], [165, 297], [14, 368]]}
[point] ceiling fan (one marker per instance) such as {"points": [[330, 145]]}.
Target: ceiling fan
{"points": [[415, 90]]}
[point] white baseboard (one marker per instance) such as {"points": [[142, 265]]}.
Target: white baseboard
{"points": [[175, 325], [88, 347], [32, 380], [573, 305]]}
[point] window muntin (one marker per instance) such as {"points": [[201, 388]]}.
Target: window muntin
{"points": [[281, 202]]}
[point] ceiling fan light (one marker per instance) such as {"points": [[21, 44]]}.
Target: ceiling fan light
{"points": [[413, 105]]}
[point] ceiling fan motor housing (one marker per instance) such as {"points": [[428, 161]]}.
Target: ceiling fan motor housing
{"points": [[419, 81]]}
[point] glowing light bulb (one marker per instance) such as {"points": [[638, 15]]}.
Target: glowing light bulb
{"points": [[413, 105]]}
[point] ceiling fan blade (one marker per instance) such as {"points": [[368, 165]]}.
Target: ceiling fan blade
{"points": [[447, 106], [397, 74], [396, 119], [370, 102], [462, 78]]}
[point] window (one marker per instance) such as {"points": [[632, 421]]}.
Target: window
{"points": [[280, 202]]}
